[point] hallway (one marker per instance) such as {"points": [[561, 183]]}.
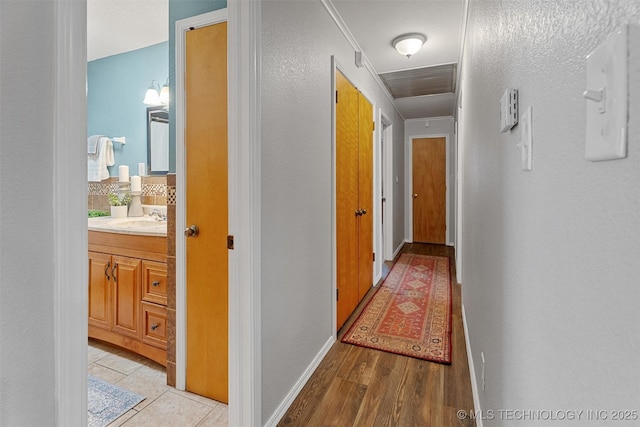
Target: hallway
{"points": [[356, 386]]}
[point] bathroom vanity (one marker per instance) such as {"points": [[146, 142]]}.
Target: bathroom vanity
{"points": [[128, 284]]}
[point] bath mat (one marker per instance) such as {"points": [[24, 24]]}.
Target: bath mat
{"points": [[107, 402], [410, 314]]}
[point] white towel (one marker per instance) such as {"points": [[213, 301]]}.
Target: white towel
{"points": [[92, 145], [97, 165]]}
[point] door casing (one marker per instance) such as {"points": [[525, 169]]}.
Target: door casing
{"points": [[408, 176]]}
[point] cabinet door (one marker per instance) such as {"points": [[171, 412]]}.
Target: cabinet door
{"points": [[126, 277], [99, 290]]}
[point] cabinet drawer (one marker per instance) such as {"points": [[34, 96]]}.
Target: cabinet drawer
{"points": [[154, 324], [154, 282]]}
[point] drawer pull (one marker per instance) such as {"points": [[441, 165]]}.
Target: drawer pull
{"points": [[156, 283], [154, 326]]}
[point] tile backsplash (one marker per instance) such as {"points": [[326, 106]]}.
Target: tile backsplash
{"points": [[154, 192]]}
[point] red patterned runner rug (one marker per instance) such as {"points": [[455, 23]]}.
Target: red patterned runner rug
{"points": [[411, 312]]}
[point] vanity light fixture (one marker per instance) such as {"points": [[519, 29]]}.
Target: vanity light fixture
{"points": [[408, 44], [152, 97], [164, 93], [156, 96]]}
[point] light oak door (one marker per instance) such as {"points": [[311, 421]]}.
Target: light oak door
{"points": [[207, 208], [354, 194], [347, 162], [429, 190], [365, 196]]}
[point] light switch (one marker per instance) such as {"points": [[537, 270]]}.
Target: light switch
{"points": [[606, 95], [526, 141]]}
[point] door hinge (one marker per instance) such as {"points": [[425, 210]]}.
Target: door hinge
{"points": [[230, 241], [337, 294], [374, 125], [374, 256], [336, 97]]}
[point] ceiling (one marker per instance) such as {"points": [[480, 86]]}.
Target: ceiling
{"points": [[116, 26]]}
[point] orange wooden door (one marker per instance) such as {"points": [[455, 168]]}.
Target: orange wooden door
{"points": [[207, 207], [429, 190], [347, 202], [365, 196]]}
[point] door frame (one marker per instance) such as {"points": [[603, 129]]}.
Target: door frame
{"points": [[244, 200], [69, 188], [409, 184], [386, 134]]}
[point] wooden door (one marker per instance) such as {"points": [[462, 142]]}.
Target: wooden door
{"points": [[429, 190], [354, 197], [207, 207], [99, 292], [126, 276], [347, 142], [365, 196]]}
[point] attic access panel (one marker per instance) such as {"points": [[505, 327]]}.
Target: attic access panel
{"points": [[421, 81]]}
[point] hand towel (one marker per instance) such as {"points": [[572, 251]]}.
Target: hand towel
{"points": [[97, 165], [92, 145]]}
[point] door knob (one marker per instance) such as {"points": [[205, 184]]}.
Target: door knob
{"points": [[192, 231], [415, 195]]}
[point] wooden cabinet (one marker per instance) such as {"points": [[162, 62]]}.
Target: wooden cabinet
{"points": [[128, 292]]}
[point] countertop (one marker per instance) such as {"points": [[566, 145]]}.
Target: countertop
{"points": [[142, 225]]}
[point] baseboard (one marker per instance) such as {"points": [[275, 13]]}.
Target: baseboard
{"points": [[291, 396], [472, 372], [398, 249]]}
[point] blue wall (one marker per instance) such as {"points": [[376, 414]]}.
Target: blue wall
{"points": [[116, 88], [181, 9]]}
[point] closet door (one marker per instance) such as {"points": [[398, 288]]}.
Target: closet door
{"points": [[365, 196], [354, 197], [347, 141]]}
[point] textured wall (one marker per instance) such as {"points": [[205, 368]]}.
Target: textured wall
{"points": [[117, 84], [26, 213], [298, 41], [550, 265]]}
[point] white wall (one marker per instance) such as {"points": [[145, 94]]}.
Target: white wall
{"points": [[298, 41], [438, 126], [551, 271], [26, 214]]}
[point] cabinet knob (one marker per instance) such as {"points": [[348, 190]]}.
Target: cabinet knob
{"points": [[415, 195], [156, 283], [154, 326]]}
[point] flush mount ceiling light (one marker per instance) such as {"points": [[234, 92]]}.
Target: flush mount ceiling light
{"points": [[408, 44]]}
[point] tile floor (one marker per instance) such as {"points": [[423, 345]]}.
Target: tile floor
{"points": [[164, 405]]}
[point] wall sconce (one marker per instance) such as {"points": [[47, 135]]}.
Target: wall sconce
{"points": [[164, 93], [408, 44], [155, 95]]}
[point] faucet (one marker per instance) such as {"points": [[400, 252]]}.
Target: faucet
{"points": [[159, 216]]}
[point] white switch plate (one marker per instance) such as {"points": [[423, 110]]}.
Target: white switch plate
{"points": [[526, 141], [607, 99]]}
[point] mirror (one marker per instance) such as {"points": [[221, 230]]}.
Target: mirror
{"points": [[157, 141]]}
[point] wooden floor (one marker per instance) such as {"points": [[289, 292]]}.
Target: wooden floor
{"points": [[356, 386]]}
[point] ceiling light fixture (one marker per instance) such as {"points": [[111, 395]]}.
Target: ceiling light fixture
{"points": [[408, 44]]}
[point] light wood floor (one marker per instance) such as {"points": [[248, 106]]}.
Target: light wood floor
{"points": [[356, 386]]}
